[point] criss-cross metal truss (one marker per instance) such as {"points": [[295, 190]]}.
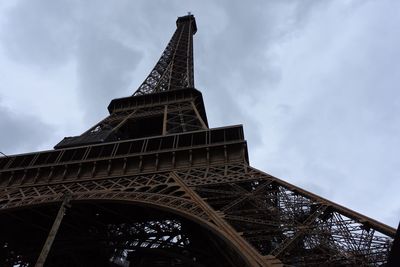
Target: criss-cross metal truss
{"points": [[174, 70], [152, 185]]}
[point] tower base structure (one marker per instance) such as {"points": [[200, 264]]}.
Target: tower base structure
{"points": [[191, 194]]}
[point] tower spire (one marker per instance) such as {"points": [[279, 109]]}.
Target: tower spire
{"points": [[174, 69]]}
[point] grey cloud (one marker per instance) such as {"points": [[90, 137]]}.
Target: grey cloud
{"points": [[393, 219], [247, 40], [238, 64], [21, 132], [105, 69], [49, 33], [348, 121], [39, 33]]}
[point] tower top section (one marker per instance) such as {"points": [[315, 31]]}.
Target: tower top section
{"points": [[174, 69], [187, 19]]}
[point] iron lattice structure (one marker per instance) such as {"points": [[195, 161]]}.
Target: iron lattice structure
{"points": [[153, 185]]}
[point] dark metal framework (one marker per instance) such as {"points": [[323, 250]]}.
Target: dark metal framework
{"points": [[152, 185], [174, 70]]}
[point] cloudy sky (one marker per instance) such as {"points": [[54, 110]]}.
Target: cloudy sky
{"points": [[313, 82]]}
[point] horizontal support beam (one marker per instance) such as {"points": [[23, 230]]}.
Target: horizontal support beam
{"points": [[126, 148], [133, 164]]}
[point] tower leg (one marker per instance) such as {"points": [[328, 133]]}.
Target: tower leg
{"points": [[53, 232], [254, 258]]}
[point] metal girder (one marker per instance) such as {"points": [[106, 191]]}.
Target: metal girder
{"points": [[53, 232], [298, 227], [274, 217], [152, 185], [174, 70]]}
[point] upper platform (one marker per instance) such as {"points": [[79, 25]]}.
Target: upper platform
{"points": [[165, 103]]}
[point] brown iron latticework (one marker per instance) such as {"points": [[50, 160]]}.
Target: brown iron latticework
{"points": [[153, 185]]}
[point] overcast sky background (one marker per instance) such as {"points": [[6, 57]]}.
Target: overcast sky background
{"points": [[315, 83]]}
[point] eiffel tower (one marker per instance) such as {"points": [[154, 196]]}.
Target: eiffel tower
{"points": [[153, 185]]}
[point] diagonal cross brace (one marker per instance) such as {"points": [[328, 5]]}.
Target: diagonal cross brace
{"points": [[304, 227], [53, 232]]}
